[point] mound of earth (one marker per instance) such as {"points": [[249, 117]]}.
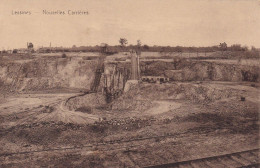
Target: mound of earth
{"points": [[145, 96], [86, 101]]}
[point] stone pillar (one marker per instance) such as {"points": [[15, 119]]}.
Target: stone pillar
{"points": [[134, 66]]}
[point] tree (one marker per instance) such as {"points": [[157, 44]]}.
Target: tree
{"points": [[236, 47], [178, 48], [253, 48], [244, 48], [63, 55], [15, 51], [103, 47], [123, 42], [223, 47], [138, 46], [30, 46], [146, 47], [139, 43]]}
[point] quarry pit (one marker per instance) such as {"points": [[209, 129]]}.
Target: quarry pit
{"points": [[49, 118]]}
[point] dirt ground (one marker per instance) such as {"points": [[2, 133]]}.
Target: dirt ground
{"points": [[151, 124]]}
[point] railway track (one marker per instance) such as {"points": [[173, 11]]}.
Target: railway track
{"points": [[97, 144], [242, 159], [248, 158]]}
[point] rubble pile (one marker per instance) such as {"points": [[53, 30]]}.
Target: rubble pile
{"points": [[140, 98], [128, 121], [131, 104], [86, 101]]}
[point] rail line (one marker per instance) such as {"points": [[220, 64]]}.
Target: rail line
{"points": [[242, 159], [93, 145], [248, 158]]}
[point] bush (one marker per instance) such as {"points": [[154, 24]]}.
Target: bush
{"points": [[47, 109], [249, 76], [63, 55]]}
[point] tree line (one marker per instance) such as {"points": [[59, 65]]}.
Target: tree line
{"points": [[147, 48], [123, 47]]}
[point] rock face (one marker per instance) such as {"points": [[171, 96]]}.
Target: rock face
{"points": [[54, 73], [202, 70], [44, 73]]}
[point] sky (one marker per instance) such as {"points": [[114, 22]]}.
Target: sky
{"points": [[154, 22]]}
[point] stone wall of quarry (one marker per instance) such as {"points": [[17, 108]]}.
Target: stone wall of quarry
{"points": [[201, 71], [114, 79], [47, 73], [61, 73], [57, 73]]}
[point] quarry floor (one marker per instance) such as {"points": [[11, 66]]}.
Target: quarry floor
{"points": [[36, 130]]}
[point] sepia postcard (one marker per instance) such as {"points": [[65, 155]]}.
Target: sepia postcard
{"points": [[129, 83]]}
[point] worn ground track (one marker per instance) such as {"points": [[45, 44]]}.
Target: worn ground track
{"points": [[248, 159]]}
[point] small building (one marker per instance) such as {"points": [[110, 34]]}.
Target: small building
{"points": [[154, 79]]}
